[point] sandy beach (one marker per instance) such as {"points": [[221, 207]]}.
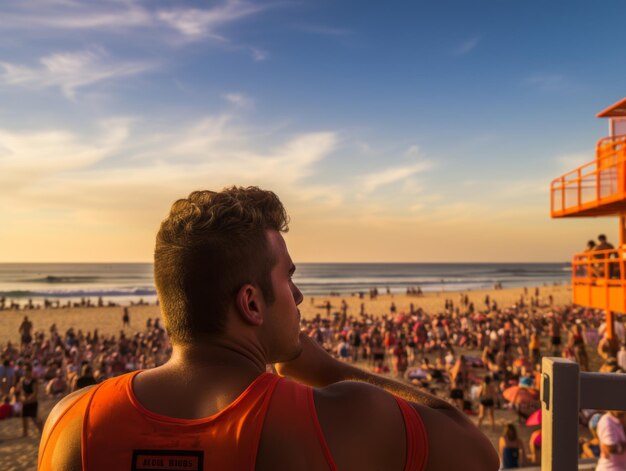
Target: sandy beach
{"points": [[18, 453], [108, 320]]}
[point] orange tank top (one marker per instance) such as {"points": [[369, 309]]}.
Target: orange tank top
{"points": [[119, 433]]}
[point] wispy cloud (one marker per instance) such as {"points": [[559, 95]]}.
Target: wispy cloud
{"points": [[28, 158], [466, 46], [413, 151], [547, 82], [239, 100], [567, 162], [258, 55], [73, 15], [70, 71], [372, 181], [112, 16], [83, 172], [200, 23]]}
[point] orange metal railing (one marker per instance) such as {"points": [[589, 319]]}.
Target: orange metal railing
{"points": [[599, 182], [600, 266], [599, 279]]}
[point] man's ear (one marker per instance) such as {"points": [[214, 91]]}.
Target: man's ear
{"points": [[249, 304]]}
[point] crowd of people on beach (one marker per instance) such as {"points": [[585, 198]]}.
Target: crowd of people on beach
{"points": [[62, 362], [84, 302], [481, 358]]}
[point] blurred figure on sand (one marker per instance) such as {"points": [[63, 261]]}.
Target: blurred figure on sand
{"points": [[487, 401], [512, 453], [28, 390], [612, 441]]}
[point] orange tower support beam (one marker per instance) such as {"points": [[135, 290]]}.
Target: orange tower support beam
{"points": [[610, 326], [610, 331]]}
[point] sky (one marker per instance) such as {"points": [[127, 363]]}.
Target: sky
{"points": [[412, 131]]}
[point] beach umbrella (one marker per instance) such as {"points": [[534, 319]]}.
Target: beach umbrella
{"points": [[534, 392], [518, 395], [510, 393], [534, 418]]}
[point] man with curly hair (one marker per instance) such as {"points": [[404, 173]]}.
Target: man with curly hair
{"points": [[224, 280]]}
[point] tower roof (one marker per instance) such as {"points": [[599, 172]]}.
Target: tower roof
{"points": [[615, 110]]}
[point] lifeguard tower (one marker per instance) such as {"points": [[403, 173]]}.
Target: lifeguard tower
{"points": [[598, 188]]}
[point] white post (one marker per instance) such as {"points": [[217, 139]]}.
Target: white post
{"points": [[559, 414]]}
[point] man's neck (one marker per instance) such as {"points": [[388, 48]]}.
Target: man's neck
{"points": [[223, 356], [199, 379], [219, 354]]}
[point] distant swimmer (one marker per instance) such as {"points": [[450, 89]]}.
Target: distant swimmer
{"points": [[224, 279]]}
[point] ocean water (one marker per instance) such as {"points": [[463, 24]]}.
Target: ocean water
{"points": [[126, 282]]}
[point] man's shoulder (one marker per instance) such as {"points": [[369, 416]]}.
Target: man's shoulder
{"points": [[65, 449], [359, 419], [65, 404], [354, 395], [353, 406]]}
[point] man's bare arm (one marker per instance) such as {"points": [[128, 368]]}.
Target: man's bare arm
{"points": [[445, 425], [317, 368]]}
